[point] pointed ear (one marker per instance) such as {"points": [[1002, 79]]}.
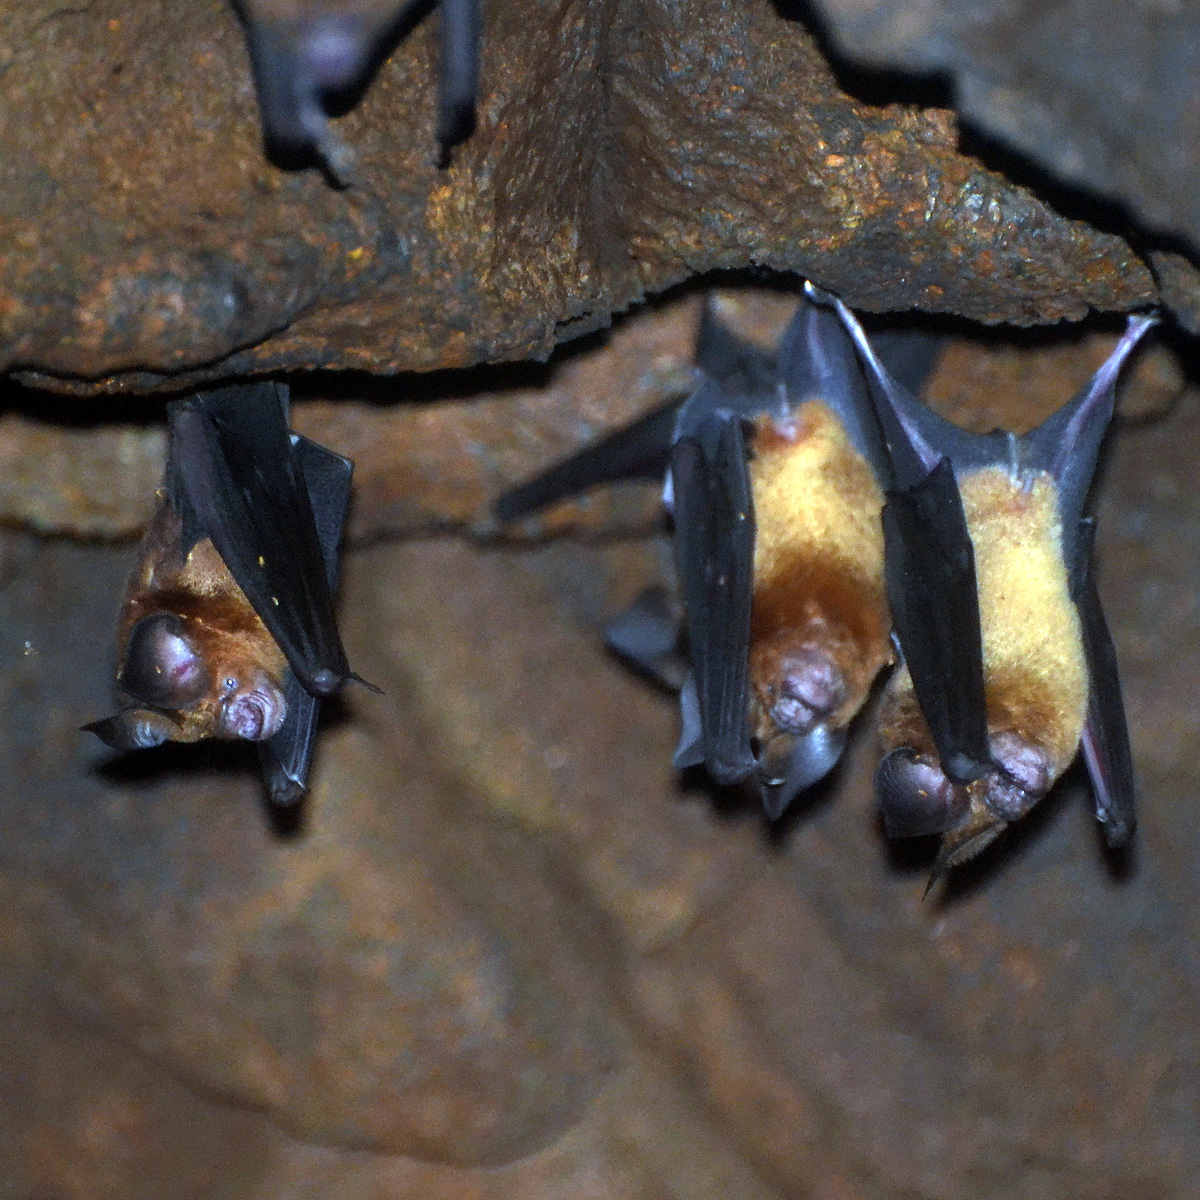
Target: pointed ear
{"points": [[161, 665], [133, 729]]}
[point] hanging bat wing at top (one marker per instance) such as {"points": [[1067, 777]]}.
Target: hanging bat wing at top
{"points": [[310, 55], [1009, 664], [771, 478], [227, 628]]}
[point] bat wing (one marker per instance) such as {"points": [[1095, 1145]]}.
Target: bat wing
{"points": [[931, 586], [639, 451], [285, 758], [1105, 733], [739, 366], [714, 547], [1067, 446], [236, 478]]}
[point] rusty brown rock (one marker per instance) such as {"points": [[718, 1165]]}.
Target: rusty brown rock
{"points": [[433, 452], [621, 147], [1102, 96]]}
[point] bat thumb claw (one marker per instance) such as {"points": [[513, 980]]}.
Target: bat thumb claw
{"points": [[355, 678]]}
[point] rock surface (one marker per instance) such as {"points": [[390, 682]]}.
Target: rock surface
{"points": [[622, 146]]}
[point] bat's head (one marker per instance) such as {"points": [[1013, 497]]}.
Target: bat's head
{"points": [[189, 682], [798, 725], [918, 797]]}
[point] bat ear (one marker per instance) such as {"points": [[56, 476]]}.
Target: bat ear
{"points": [[161, 666], [915, 797], [133, 729]]}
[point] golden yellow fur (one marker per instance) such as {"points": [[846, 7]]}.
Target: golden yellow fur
{"points": [[818, 556], [1034, 666]]}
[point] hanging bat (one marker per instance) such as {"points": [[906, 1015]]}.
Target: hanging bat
{"points": [[311, 55], [771, 474], [1008, 663], [227, 626]]}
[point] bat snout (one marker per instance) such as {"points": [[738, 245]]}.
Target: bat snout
{"points": [[254, 714]]}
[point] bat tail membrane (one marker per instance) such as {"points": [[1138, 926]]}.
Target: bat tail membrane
{"points": [[458, 74], [240, 481], [714, 545], [1067, 446]]}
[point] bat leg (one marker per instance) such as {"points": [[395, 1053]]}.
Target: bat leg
{"points": [[458, 76]]}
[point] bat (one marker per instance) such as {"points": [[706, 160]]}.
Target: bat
{"points": [[772, 476], [227, 627], [1009, 667], [311, 56]]}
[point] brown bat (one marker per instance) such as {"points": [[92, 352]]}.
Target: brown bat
{"points": [[314, 56], [227, 627]]}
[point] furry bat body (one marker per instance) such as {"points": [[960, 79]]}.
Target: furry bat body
{"points": [[227, 627], [772, 474], [308, 54], [1008, 663]]}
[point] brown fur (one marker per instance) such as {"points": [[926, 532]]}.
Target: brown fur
{"points": [[218, 619]]}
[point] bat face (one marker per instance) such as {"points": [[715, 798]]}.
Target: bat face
{"points": [[772, 478], [227, 627], [1009, 666], [311, 55]]}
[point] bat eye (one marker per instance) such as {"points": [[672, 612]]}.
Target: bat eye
{"points": [[161, 666], [915, 797]]}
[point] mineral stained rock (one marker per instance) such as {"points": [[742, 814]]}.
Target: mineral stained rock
{"points": [[1103, 96], [506, 936], [432, 452], [622, 145]]}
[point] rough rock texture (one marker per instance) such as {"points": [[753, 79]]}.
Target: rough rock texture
{"points": [[508, 956], [621, 147], [1104, 96], [431, 453]]}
